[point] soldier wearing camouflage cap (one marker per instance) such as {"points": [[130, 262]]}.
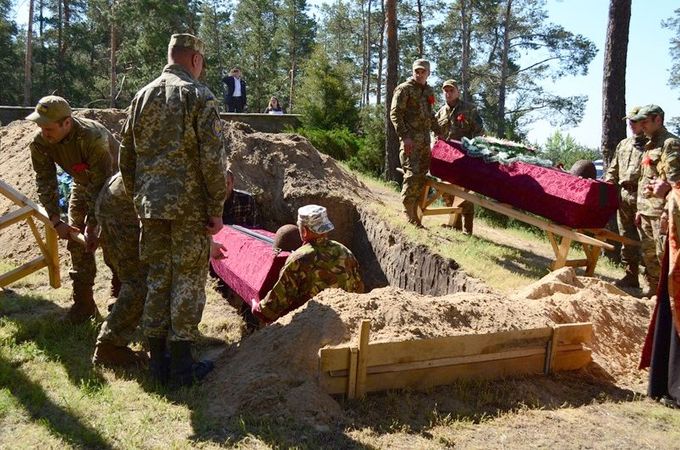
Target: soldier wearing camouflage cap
{"points": [[172, 163], [624, 170], [412, 115], [319, 264], [84, 149], [458, 119], [660, 170]]}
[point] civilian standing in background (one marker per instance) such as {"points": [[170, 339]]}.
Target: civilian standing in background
{"points": [[234, 91]]}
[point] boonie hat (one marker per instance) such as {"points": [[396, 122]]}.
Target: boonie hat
{"points": [[421, 64], [315, 218], [452, 83], [50, 109], [648, 110], [632, 113], [187, 40]]}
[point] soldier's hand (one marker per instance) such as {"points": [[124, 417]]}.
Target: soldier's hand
{"points": [[638, 219], [408, 146], [64, 230], [91, 238], [660, 188], [254, 306], [214, 225], [217, 250]]}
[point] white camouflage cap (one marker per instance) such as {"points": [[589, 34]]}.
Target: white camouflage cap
{"points": [[315, 218]]}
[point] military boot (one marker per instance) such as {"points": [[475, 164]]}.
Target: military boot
{"points": [[83, 308], [630, 279], [159, 364], [412, 216], [467, 223], [184, 371], [107, 354]]}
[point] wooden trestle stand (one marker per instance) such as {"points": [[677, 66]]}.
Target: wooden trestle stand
{"points": [[593, 240]]}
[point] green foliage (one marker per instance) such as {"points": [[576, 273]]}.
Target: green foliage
{"points": [[11, 91], [339, 143], [560, 148], [326, 98], [370, 158]]}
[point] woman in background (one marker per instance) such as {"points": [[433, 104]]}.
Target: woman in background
{"points": [[274, 107]]}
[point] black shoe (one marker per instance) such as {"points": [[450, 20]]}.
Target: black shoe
{"points": [[184, 371], [669, 402], [159, 364]]}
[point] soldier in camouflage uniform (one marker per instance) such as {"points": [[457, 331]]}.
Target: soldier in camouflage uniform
{"points": [[83, 148], [413, 118], [660, 167], [119, 240], [624, 170], [319, 264], [172, 161], [458, 119]]}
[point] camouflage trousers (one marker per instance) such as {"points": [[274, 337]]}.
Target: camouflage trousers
{"points": [[83, 267], [415, 168], [120, 245], [625, 217], [176, 253], [651, 246]]}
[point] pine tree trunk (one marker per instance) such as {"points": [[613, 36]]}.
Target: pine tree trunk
{"points": [[114, 49], [368, 54], [29, 56], [465, 21], [420, 28], [391, 139], [500, 113], [381, 48], [614, 79]]}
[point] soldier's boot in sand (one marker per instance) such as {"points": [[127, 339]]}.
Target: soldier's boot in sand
{"points": [[629, 279], [184, 371], [468, 220], [159, 363], [652, 283], [110, 355], [412, 216], [83, 308]]}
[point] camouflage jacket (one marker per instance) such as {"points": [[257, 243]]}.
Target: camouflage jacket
{"points": [[460, 121], [114, 203], [315, 266], [412, 110], [660, 160], [85, 154], [624, 169], [171, 154]]}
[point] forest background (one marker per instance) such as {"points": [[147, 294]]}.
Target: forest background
{"points": [[330, 67]]}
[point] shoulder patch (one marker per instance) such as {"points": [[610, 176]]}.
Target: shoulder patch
{"points": [[217, 127]]}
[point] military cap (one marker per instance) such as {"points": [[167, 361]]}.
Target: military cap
{"points": [[632, 113], [646, 111], [452, 83], [421, 64], [187, 40], [315, 218], [50, 109]]}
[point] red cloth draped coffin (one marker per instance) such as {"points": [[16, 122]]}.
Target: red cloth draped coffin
{"points": [[252, 266], [559, 196]]}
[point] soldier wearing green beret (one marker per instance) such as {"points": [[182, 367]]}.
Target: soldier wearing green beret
{"points": [[624, 170], [660, 169], [172, 163], [412, 116], [458, 119], [84, 149], [319, 264]]}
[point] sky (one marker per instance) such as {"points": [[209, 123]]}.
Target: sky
{"points": [[648, 68]]}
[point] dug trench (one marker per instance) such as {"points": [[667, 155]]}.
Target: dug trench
{"points": [[412, 293]]}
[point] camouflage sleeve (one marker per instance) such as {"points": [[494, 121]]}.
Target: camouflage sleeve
{"points": [[283, 293], [612, 175], [477, 123], [352, 266], [46, 181], [398, 112], [211, 154], [127, 159], [443, 120], [99, 161], [672, 158], [434, 125]]}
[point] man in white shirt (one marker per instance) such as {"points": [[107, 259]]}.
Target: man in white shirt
{"points": [[234, 91]]}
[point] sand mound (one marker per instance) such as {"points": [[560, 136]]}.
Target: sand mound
{"points": [[273, 372]]}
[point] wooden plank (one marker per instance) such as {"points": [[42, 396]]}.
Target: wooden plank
{"points": [[576, 263], [442, 210], [352, 375], [15, 216], [364, 354], [551, 350], [509, 211], [605, 234], [22, 271], [574, 333], [52, 243], [443, 347], [38, 238], [572, 360]]}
